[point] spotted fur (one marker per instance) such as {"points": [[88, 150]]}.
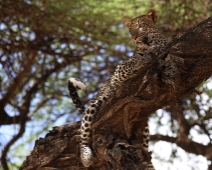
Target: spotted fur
{"points": [[73, 85], [145, 145], [147, 38]]}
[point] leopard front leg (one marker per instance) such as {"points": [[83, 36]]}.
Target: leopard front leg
{"points": [[86, 129], [85, 150]]}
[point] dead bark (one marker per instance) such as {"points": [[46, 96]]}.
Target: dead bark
{"points": [[161, 81]]}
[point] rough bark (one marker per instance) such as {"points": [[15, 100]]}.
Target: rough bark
{"points": [[161, 81]]}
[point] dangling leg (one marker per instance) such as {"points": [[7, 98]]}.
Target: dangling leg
{"points": [[146, 146]]}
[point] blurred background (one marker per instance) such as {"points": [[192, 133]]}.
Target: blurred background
{"points": [[44, 42]]}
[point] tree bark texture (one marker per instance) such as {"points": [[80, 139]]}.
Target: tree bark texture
{"points": [[162, 80]]}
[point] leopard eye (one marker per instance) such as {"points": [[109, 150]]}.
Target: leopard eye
{"points": [[140, 29], [135, 26]]}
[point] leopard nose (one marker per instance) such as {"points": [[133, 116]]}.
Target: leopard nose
{"points": [[134, 37]]}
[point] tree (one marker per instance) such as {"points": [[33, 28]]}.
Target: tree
{"points": [[41, 41], [161, 81]]}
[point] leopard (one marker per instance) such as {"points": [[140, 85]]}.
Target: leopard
{"points": [[147, 38]]}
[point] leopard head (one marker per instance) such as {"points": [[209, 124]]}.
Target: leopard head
{"points": [[142, 26]]}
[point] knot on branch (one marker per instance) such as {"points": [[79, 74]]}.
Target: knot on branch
{"points": [[118, 154], [186, 61]]}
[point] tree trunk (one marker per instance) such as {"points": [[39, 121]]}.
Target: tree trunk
{"points": [[162, 80]]}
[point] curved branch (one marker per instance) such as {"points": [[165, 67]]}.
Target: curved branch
{"points": [[177, 114], [163, 138], [11, 142]]}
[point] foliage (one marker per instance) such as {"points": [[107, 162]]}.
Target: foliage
{"points": [[44, 42]]}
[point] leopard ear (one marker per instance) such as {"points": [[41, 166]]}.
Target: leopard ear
{"points": [[151, 15], [127, 21]]}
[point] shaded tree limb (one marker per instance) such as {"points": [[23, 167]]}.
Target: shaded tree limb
{"points": [[162, 80], [11, 142], [186, 144], [177, 114], [5, 119]]}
